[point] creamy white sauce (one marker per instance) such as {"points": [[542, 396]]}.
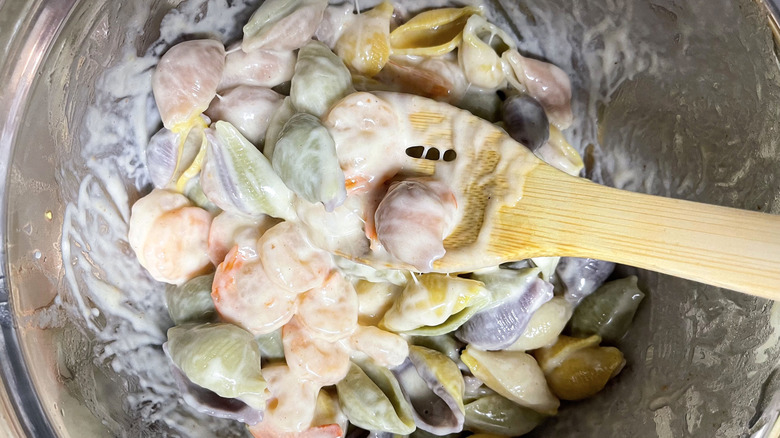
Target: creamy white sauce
{"points": [[108, 293]]}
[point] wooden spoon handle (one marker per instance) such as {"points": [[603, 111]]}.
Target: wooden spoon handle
{"points": [[731, 248]]}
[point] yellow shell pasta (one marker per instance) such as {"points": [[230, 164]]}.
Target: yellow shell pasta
{"points": [[365, 45], [558, 153], [579, 368], [430, 301], [432, 33]]}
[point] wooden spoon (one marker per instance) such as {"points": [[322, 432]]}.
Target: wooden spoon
{"points": [[514, 206]]}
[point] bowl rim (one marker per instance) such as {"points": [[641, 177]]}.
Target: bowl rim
{"points": [[36, 25]]}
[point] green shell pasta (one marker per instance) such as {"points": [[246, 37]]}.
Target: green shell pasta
{"points": [[445, 344], [275, 126], [608, 311], [372, 399], [498, 415], [320, 79], [239, 179], [305, 158], [270, 345], [191, 302], [223, 358]]}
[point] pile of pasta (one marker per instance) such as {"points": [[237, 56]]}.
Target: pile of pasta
{"points": [[275, 152]]}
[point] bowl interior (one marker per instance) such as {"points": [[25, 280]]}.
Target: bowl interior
{"points": [[679, 99]]}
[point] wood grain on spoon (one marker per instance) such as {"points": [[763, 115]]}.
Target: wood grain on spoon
{"points": [[514, 206], [568, 216]]}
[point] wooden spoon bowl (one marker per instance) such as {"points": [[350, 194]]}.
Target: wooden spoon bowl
{"points": [[514, 206]]}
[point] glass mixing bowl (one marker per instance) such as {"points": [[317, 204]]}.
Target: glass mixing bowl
{"points": [[676, 98]]}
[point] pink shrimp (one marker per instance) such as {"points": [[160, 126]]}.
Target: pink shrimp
{"points": [[262, 430], [315, 359], [290, 260], [229, 229], [329, 312], [169, 236], [244, 295], [177, 250], [364, 128]]}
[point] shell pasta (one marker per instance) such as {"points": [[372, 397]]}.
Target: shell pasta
{"points": [[281, 154]]}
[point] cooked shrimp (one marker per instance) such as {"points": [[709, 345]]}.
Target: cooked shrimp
{"points": [[177, 250], [365, 129], [244, 295], [229, 229], [310, 358], [329, 312], [292, 405], [262, 430], [145, 211], [290, 260], [169, 236]]}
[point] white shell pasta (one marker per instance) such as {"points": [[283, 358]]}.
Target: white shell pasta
{"points": [[479, 53], [545, 325], [248, 108], [513, 374]]}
